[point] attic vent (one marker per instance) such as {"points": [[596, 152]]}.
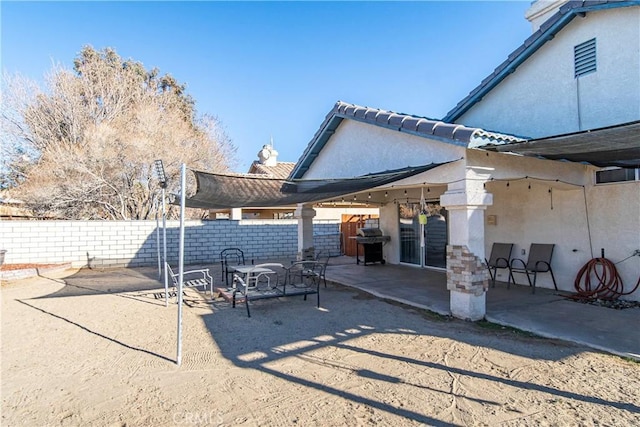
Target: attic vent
{"points": [[584, 56]]}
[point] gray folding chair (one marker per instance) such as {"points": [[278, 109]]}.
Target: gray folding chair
{"points": [[539, 261], [500, 258]]}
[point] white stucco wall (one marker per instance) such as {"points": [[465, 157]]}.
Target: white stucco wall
{"points": [[357, 149], [525, 216], [543, 98]]}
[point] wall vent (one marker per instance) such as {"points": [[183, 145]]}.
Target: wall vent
{"points": [[584, 56]]}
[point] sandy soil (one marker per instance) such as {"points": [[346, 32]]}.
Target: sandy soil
{"points": [[97, 348]]}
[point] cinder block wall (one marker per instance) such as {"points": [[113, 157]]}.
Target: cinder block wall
{"points": [[135, 243]]}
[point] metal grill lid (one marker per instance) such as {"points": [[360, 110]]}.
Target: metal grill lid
{"points": [[369, 232]]}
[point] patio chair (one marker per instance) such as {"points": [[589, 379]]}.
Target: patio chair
{"points": [[230, 257], [192, 278], [539, 261], [322, 268], [315, 265], [500, 258]]}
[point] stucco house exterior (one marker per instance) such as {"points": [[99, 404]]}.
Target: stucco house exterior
{"points": [[524, 158]]}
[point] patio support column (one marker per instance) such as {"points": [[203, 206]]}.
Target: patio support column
{"points": [[467, 277], [304, 214], [236, 214]]}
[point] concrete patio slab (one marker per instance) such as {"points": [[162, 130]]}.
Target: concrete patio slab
{"points": [[546, 313]]}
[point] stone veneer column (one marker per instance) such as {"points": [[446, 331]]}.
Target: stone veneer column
{"points": [[304, 214], [467, 277]]}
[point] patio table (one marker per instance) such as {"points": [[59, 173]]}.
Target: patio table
{"points": [[252, 273]]}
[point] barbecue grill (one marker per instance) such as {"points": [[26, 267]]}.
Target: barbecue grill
{"points": [[371, 240]]}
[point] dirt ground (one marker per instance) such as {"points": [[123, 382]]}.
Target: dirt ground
{"points": [[93, 348]]}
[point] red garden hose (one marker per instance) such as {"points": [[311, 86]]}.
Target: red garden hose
{"points": [[607, 284]]}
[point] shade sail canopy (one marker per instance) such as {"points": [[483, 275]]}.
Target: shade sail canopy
{"points": [[610, 146], [223, 191]]}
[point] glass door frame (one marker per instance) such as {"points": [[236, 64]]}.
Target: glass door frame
{"points": [[410, 251]]}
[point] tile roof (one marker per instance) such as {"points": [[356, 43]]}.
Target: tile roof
{"points": [[546, 32], [280, 171], [420, 126]]}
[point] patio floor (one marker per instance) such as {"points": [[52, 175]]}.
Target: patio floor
{"points": [[546, 313]]}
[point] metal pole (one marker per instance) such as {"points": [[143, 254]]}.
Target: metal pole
{"points": [[421, 219], [422, 248], [181, 261], [158, 244], [164, 257]]}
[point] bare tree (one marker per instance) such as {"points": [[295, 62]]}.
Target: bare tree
{"points": [[16, 149], [87, 145]]}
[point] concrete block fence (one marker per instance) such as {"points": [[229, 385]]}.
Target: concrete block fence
{"points": [[135, 243]]}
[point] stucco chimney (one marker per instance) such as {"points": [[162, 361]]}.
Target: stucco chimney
{"points": [[541, 10], [268, 155]]}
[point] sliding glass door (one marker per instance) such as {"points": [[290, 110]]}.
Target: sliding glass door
{"points": [[434, 251]]}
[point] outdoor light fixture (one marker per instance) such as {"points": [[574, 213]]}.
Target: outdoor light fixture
{"points": [[386, 194], [162, 178]]}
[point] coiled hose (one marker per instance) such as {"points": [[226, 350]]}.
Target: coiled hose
{"points": [[607, 284]]}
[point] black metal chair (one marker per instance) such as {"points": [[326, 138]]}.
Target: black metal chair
{"points": [[323, 261], [230, 257], [539, 261], [308, 265], [500, 258]]}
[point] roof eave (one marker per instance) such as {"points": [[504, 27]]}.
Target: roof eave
{"points": [[435, 130], [537, 41], [312, 151]]}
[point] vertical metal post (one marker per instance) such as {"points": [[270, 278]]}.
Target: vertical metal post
{"points": [[164, 257], [183, 192], [422, 219], [158, 244], [162, 180]]}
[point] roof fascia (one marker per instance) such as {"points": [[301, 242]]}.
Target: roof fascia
{"points": [[538, 41], [317, 144]]}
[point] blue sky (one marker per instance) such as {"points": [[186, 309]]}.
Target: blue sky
{"points": [[277, 68]]}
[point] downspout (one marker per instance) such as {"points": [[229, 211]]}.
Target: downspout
{"points": [[578, 102]]}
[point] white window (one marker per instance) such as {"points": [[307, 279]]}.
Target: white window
{"points": [[611, 175]]}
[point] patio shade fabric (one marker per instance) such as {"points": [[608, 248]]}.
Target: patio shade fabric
{"points": [[220, 191], [611, 146]]}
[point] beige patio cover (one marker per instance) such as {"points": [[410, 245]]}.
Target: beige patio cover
{"points": [[223, 191]]}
